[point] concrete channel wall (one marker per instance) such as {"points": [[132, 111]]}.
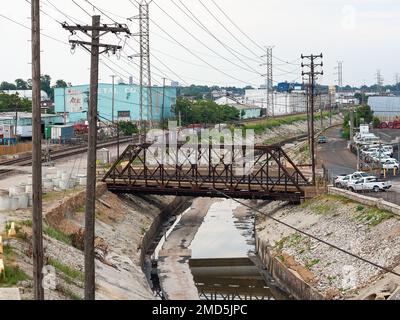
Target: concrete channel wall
{"points": [[368, 201], [287, 279]]}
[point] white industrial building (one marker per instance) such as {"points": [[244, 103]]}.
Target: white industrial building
{"points": [[284, 102], [27, 94]]}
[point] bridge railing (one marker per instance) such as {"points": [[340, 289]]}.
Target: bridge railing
{"points": [[235, 169]]}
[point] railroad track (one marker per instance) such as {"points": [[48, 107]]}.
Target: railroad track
{"points": [[60, 154]]}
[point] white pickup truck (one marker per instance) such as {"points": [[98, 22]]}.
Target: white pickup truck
{"points": [[369, 184]]}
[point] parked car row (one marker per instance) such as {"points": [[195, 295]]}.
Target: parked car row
{"points": [[361, 182], [380, 154]]}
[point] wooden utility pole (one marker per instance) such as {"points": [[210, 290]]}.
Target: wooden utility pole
{"points": [[94, 48], [312, 75], [37, 235]]}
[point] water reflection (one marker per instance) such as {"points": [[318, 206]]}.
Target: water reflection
{"points": [[219, 236]]}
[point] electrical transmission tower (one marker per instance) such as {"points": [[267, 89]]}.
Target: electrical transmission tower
{"points": [[95, 32], [379, 81], [312, 75], [270, 82], [340, 74], [146, 98]]}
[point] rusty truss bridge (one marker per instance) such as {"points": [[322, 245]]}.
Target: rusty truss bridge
{"points": [[203, 171]]}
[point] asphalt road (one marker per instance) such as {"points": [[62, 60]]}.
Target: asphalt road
{"points": [[335, 155], [337, 159]]}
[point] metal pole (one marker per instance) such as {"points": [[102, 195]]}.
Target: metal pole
{"points": [[163, 106], [65, 108], [113, 98], [91, 166], [37, 236]]}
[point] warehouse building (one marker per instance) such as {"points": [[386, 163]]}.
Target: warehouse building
{"points": [[73, 102], [285, 102], [385, 108], [23, 122]]}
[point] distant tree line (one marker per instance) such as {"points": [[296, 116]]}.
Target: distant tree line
{"points": [[205, 92], [45, 85]]}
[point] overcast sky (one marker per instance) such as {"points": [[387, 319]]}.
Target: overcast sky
{"points": [[362, 33]]}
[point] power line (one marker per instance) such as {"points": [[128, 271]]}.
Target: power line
{"points": [[192, 52], [227, 30], [207, 30], [101, 11], [311, 236], [77, 4], [252, 70]]}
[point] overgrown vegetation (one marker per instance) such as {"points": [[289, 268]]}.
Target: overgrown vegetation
{"points": [[204, 112], [364, 114], [264, 125], [128, 128], [12, 276], [67, 270], [374, 216], [57, 234]]}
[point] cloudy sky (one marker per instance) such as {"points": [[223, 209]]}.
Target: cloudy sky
{"points": [[362, 33]]}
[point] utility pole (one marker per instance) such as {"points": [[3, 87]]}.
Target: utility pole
{"points": [[351, 126], [94, 49], [37, 233], [312, 74], [145, 66], [113, 98], [65, 108], [270, 80], [163, 106], [307, 89]]}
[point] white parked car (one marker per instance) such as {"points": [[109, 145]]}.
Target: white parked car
{"points": [[390, 164], [369, 184], [343, 182]]}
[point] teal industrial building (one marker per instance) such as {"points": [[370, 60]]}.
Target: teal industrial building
{"points": [[73, 102]]}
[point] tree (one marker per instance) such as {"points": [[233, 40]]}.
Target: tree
{"points": [[45, 85], [10, 102], [21, 84], [61, 84], [127, 128], [7, 86], [204, 112]]}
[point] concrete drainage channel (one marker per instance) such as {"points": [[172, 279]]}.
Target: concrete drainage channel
{"points": [[220, 271]]}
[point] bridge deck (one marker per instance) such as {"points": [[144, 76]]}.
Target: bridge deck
{"points": [[273, 176]]}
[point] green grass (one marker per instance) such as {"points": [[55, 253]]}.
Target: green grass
{"points": [[8, 252], [374, 216], [67, 270], [312, 263], [360, 208], [58, 235], [81, 209], [260, 127], [322, 208], [12, 276]]}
